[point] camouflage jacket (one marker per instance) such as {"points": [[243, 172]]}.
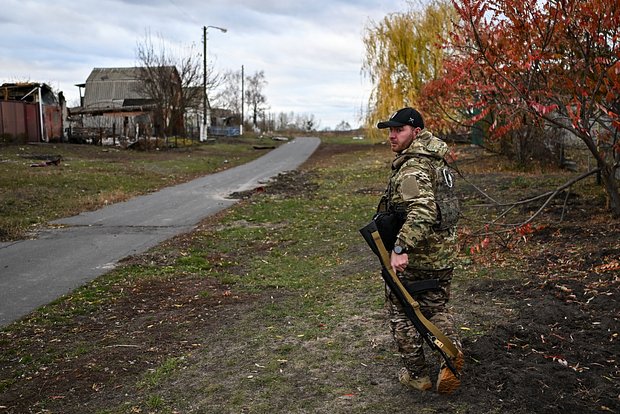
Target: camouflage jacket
{"points": [[411, 190]]}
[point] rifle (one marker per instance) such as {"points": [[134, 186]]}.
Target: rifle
{"points": [[431, 334]]}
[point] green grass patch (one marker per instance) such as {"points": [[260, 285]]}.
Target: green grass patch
{"points": [[160, 374]]}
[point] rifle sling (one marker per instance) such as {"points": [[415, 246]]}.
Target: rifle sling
{"points": [[441, 340]]}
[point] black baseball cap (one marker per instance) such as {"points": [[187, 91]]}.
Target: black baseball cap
{"points": [[405, 116]]}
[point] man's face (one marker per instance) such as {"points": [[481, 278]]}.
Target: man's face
{"points": [[401, 137]]}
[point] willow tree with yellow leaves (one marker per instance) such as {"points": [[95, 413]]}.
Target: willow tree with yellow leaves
{"points": [[403, 52]]}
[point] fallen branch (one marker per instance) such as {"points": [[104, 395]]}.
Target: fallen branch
{"points": [[556, 192], [550, 195], [122, 346]]}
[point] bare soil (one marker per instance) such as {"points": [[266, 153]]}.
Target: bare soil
{"points": [[543, 341]]}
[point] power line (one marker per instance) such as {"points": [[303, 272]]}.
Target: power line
{"points": [[183, 12]]}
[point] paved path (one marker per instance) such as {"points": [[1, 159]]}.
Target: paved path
{"points": [[36, 272]]}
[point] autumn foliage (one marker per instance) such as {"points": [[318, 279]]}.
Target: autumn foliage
{"points": [[522, 64]]}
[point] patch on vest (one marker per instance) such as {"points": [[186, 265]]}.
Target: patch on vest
{"points": [[409, 188]]}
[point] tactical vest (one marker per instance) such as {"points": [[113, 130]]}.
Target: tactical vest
{"points": [[445, 195]]}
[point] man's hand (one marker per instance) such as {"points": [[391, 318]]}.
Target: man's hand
{"points": [[399, 261]]}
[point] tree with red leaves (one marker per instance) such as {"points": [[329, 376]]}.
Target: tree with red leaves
{"points": [[523, 63]]}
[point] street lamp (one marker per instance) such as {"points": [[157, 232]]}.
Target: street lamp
{"points": [[205, 112]]}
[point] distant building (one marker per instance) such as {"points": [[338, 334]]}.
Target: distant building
{"points": [[224, 122], [113, 104], [125, 104]]}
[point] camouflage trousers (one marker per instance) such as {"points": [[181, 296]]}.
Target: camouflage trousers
{"points": [[433, 304]]}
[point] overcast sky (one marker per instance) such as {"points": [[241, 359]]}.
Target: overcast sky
{"points": [[311, 51]]}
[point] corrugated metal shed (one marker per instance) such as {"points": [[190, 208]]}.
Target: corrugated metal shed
{"points": [[21, 119]]}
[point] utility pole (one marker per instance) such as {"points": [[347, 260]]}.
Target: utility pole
{"points": [[242, 80], [203, 131], [205, 99]]}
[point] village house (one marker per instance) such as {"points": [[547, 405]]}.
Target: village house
{"points": [[113, 104], [118, 104]]}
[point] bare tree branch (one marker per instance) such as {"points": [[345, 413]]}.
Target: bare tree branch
{"points": [[508, 227]]}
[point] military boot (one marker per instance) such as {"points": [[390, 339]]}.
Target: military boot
{"points": [[422, 383], [447, 383]]}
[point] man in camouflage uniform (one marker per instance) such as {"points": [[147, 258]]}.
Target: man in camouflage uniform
{"points": [[424, 250]]}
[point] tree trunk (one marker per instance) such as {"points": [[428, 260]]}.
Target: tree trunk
{"points": [[607, 174], [611, 187]]}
